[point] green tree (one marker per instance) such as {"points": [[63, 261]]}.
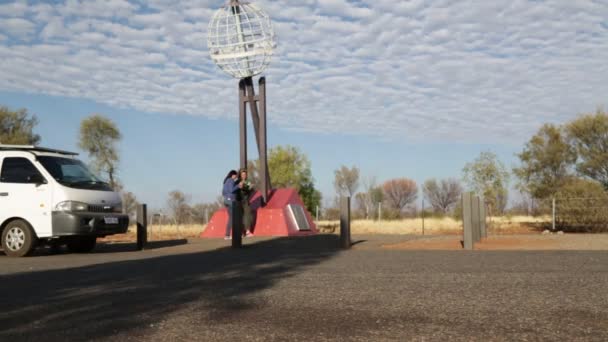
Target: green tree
{"points": [[488, 177], [589, 136], [17, 127], [310, 196], [442, 195], [376, 195], [290, 168], [178, 206], [346, 181], [546, 162], [129, 204], [400, 192], [252, 171], [98, 137], [202, 212], [581, 206], [370, 197]]}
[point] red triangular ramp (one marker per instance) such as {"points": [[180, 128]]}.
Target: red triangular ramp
{"points": [[275, 219]]}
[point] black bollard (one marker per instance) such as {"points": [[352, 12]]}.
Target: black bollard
{"points": [[345, 242], [142, 226], [237, 225]]}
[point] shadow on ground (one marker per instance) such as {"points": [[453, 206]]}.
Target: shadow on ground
{"points": [[106, 247], [99, 300]]}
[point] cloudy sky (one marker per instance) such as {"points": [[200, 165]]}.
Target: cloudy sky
{"points": [[443, 79]]}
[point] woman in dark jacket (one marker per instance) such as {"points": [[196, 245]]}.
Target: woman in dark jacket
{"points": [[230, 192], [245, 197]]}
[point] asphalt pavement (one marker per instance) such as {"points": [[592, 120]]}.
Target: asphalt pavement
{"points": [[303, 289]]}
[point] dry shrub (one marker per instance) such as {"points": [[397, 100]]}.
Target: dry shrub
{"points": [[161, 233], [582, 206]]}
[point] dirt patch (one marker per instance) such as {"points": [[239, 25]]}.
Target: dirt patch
{"points": [[520, 242], [451, 242], [510, 242]]}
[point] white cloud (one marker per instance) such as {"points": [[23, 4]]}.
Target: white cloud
{"points": [[21, 28], [97, 8], [443, 70], [343, 8], [54, 28], [13, 9]]}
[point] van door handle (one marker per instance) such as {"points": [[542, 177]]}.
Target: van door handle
{"points": [[3, 194]]}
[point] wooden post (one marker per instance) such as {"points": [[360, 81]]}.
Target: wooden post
{"points": [[142, 226], [345, 242]]}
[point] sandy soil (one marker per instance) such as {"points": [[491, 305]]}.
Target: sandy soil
{"points": [[510, 242]]}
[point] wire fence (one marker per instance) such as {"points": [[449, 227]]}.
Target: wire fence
{"points": [[576, 214], [572, 214]]}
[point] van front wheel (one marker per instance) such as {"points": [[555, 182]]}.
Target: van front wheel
{"points": [[82, 244], [18, 239]]}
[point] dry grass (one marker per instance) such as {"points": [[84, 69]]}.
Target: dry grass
{"points": [[432, 226], [404, 226], [518, 224], [161, 233]]}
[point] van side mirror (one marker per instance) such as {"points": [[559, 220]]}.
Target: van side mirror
{"points": [[36, 179]]}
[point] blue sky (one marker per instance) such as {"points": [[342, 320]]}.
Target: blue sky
{"points": [[406, 88]]}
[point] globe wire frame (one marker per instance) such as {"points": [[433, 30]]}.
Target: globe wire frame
{"points": [[241, 39]]}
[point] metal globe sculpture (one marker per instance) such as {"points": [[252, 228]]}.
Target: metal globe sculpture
{"points": [[241, 39]]}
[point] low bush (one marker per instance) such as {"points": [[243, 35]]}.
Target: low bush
{"points": [[582, 206]]}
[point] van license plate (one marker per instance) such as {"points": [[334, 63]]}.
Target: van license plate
{"points": [[110, 220]]}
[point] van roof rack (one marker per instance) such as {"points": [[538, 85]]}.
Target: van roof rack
{"points": [[32, 148]]}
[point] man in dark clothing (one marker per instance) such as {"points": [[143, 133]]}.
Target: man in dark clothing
{"points": [[230, 191]]}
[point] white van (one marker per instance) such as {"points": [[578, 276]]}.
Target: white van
{"points": [[49, 196]]}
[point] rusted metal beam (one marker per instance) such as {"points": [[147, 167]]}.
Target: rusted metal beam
{"points": [[243, 123]]}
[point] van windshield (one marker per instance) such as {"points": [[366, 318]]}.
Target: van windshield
{"points": [[72, 173]]}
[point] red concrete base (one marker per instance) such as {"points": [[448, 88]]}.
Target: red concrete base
{"points": [[272, 220]]}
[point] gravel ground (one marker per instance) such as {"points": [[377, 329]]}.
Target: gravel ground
{"points": [[304, 289], [523, 242]]}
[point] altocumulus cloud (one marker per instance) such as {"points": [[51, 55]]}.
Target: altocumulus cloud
{"points": [[488, 71]]}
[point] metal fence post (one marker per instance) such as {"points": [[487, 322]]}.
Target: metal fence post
{"points": [[142, 226], [379, 211], [345, 222], [467, 221], [423, 216], [482, 218], [475, 218], [317, 213]]}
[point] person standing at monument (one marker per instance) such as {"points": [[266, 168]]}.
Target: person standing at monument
{"points": [[245, 196], [230, 191]]}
